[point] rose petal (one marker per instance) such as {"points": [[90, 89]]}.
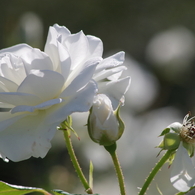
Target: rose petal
{"points": [[65, 61], [80, 78], [81, 101], [17, 98], [63, 31], [17, 49], [78, 47], [4, 107], [12, 68], [7, 86], [110, 73], [29, 136], [182, 170], [111, 62], [35, 59], [95, 46], [7, 119], [44, 105], [115, 90], [45, 84]]}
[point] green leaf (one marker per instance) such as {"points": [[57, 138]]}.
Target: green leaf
{"points": [[9, 189], [60, 192]]}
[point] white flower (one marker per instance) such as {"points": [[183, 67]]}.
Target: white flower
{"points": [[182, 168], [39, 90], [40, 93], [76, 48], [104, 124]]}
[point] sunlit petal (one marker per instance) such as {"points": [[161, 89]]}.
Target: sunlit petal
{"points": [[115, 90], [111, 62], [27, 138], [17, 49], [95, 46], [36, 60], [45, 84], [73, 103], [182, 171]]}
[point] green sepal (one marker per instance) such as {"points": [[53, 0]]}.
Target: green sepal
{"points": [[67, 125], [111, 149], [171, 158], [189, 148], [120, 121], [170, 141], [165, 131]]}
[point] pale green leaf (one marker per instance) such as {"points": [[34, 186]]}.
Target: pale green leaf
{"points": [[60, 192], [9, 189]]}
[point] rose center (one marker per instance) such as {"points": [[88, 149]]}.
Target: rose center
{"points": [[188, 133]]}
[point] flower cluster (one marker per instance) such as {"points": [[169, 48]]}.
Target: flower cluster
{"points": [[180, 138], [40, 89]]}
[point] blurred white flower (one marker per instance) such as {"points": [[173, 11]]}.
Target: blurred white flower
{"points": [[171, 52], [39, 98], [76, 49], [144, 86], [30, 29]]}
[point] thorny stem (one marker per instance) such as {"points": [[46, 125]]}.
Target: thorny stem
{"points": [[75, 162], [112, 150], [155, 170]]}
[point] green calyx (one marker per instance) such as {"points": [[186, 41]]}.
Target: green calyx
{"points": [[170, 141]]}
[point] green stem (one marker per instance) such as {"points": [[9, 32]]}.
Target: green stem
{"points": [[112, 150], [75, 162], [155, 170]]}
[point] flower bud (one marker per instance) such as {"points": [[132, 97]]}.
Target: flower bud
{"points": [[104, 125]]}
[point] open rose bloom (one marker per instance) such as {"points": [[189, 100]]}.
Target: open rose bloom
{"points": [[38, 90]]}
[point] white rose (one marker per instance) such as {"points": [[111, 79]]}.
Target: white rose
{"points": [[40, 94], [77, 48]]}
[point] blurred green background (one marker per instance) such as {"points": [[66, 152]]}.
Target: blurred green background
{"points": [[159, 41]]}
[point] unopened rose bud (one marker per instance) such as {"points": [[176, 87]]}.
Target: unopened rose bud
{"points": [[104, 124]]}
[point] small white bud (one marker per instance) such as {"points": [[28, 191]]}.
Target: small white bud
{"points": [[104, 124]]}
